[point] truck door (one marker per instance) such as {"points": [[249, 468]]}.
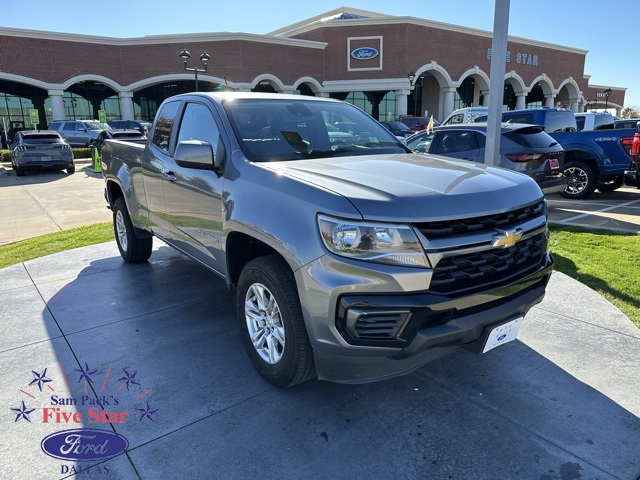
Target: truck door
{"points": [[193, 197], [152, 167]]}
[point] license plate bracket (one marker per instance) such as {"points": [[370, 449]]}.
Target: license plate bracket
{"points": [[503, 333]]}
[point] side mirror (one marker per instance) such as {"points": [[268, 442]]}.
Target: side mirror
{"points": [[195, 154]]}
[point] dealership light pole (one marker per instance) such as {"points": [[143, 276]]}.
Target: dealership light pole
{"points": [[204, 58], [414, 84], [496, 85], [607, 92]]}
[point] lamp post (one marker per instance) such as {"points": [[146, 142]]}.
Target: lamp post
{"points": [[204, 58], [413, 80], [606, 99]]}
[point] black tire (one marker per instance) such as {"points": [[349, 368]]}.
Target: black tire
{"points": [[132, 249], [581, 180], [19, 172], [282, 364], [610, 183], [71, 170]]}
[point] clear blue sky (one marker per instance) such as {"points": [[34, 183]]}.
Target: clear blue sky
{"points": [[608, 30]]}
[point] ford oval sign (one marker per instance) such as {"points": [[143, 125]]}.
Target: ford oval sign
{"points": [[84, 444], [364, 53]]}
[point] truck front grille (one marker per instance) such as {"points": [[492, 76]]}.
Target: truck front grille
{"points": [[449, 228], [489, 268]]}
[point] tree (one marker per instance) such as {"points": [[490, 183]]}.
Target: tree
{"points": [[630, 112]]}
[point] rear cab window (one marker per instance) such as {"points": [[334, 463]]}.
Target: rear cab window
{"points": [[164, 125]]}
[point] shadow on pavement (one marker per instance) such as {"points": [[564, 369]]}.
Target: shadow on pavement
{"points": [[162, 342]]}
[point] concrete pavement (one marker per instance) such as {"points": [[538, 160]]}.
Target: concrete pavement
{"points": [[48, 202], [559, 403], [159, 342]]}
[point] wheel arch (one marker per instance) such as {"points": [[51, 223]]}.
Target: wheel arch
{"points": [[582, 155], [240, 250]]}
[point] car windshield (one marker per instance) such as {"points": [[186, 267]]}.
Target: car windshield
{"points": [[96, 126], [420, 142], [282, 129]]}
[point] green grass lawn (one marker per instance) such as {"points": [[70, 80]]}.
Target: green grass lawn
{"points": [[24, 250], [606, 261]]}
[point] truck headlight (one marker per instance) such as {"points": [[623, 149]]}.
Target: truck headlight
{"points": [[388, 243]]}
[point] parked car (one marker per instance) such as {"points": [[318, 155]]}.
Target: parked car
{"points": [[130, 125], [32, 149], [626, 123], [632, 174], [78, 133], [524, 148], [594, 121], [399, 129], [593, 159], [465, 115], [418, 123]]}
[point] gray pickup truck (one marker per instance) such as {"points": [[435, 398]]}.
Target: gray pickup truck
{"points": [[351, 257]]}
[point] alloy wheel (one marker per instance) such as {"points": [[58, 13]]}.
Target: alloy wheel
{"points": [[264, 323]]}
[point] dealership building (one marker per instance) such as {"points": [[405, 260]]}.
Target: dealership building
{"points": [[387, 65]]}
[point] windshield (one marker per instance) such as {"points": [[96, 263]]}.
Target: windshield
{"points": [[271, 130]]}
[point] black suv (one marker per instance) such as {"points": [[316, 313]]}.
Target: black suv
{"points": [[526, 149]]}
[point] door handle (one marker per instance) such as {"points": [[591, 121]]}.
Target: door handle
{"points": [[170, 176]]}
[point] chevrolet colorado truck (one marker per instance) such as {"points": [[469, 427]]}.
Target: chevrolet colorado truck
{"points": [[351, 257]]}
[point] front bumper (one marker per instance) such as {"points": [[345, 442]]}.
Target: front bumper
{"points": [[632, 177], [415, 326]]}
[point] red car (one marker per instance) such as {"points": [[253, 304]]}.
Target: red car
{"points": [[418, 123], [632, 176]]}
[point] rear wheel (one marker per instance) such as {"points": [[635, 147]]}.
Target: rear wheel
{"points": [[132, 249], [581, 180], [71, 170], [610, 183], [19, 172], [271, 324]]}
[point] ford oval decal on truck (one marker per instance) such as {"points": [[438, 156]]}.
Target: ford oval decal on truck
{"points": [[364, 53], [84, 444]]}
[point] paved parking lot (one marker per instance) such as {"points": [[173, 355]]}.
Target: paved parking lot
{"points": [[619, 210], [559, 403], [159, 343], [48, 202]]}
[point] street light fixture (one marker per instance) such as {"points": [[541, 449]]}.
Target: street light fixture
{"points": [[606, 99], [413, 80], [204, 58]]}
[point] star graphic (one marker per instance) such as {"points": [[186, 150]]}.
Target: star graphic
{"points": [[40, 378], [128, 378], [23, 413], [85, 373], [146, 412]]}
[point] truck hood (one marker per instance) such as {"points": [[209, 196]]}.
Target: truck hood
{"points": [[414, 187]]}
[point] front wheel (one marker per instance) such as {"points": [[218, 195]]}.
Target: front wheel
{"points": [[581, 180], [610, 183], [132, 249], [271, 323]]}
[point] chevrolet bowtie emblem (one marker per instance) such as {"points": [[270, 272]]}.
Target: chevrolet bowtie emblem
{"points": [[506, 238]]}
